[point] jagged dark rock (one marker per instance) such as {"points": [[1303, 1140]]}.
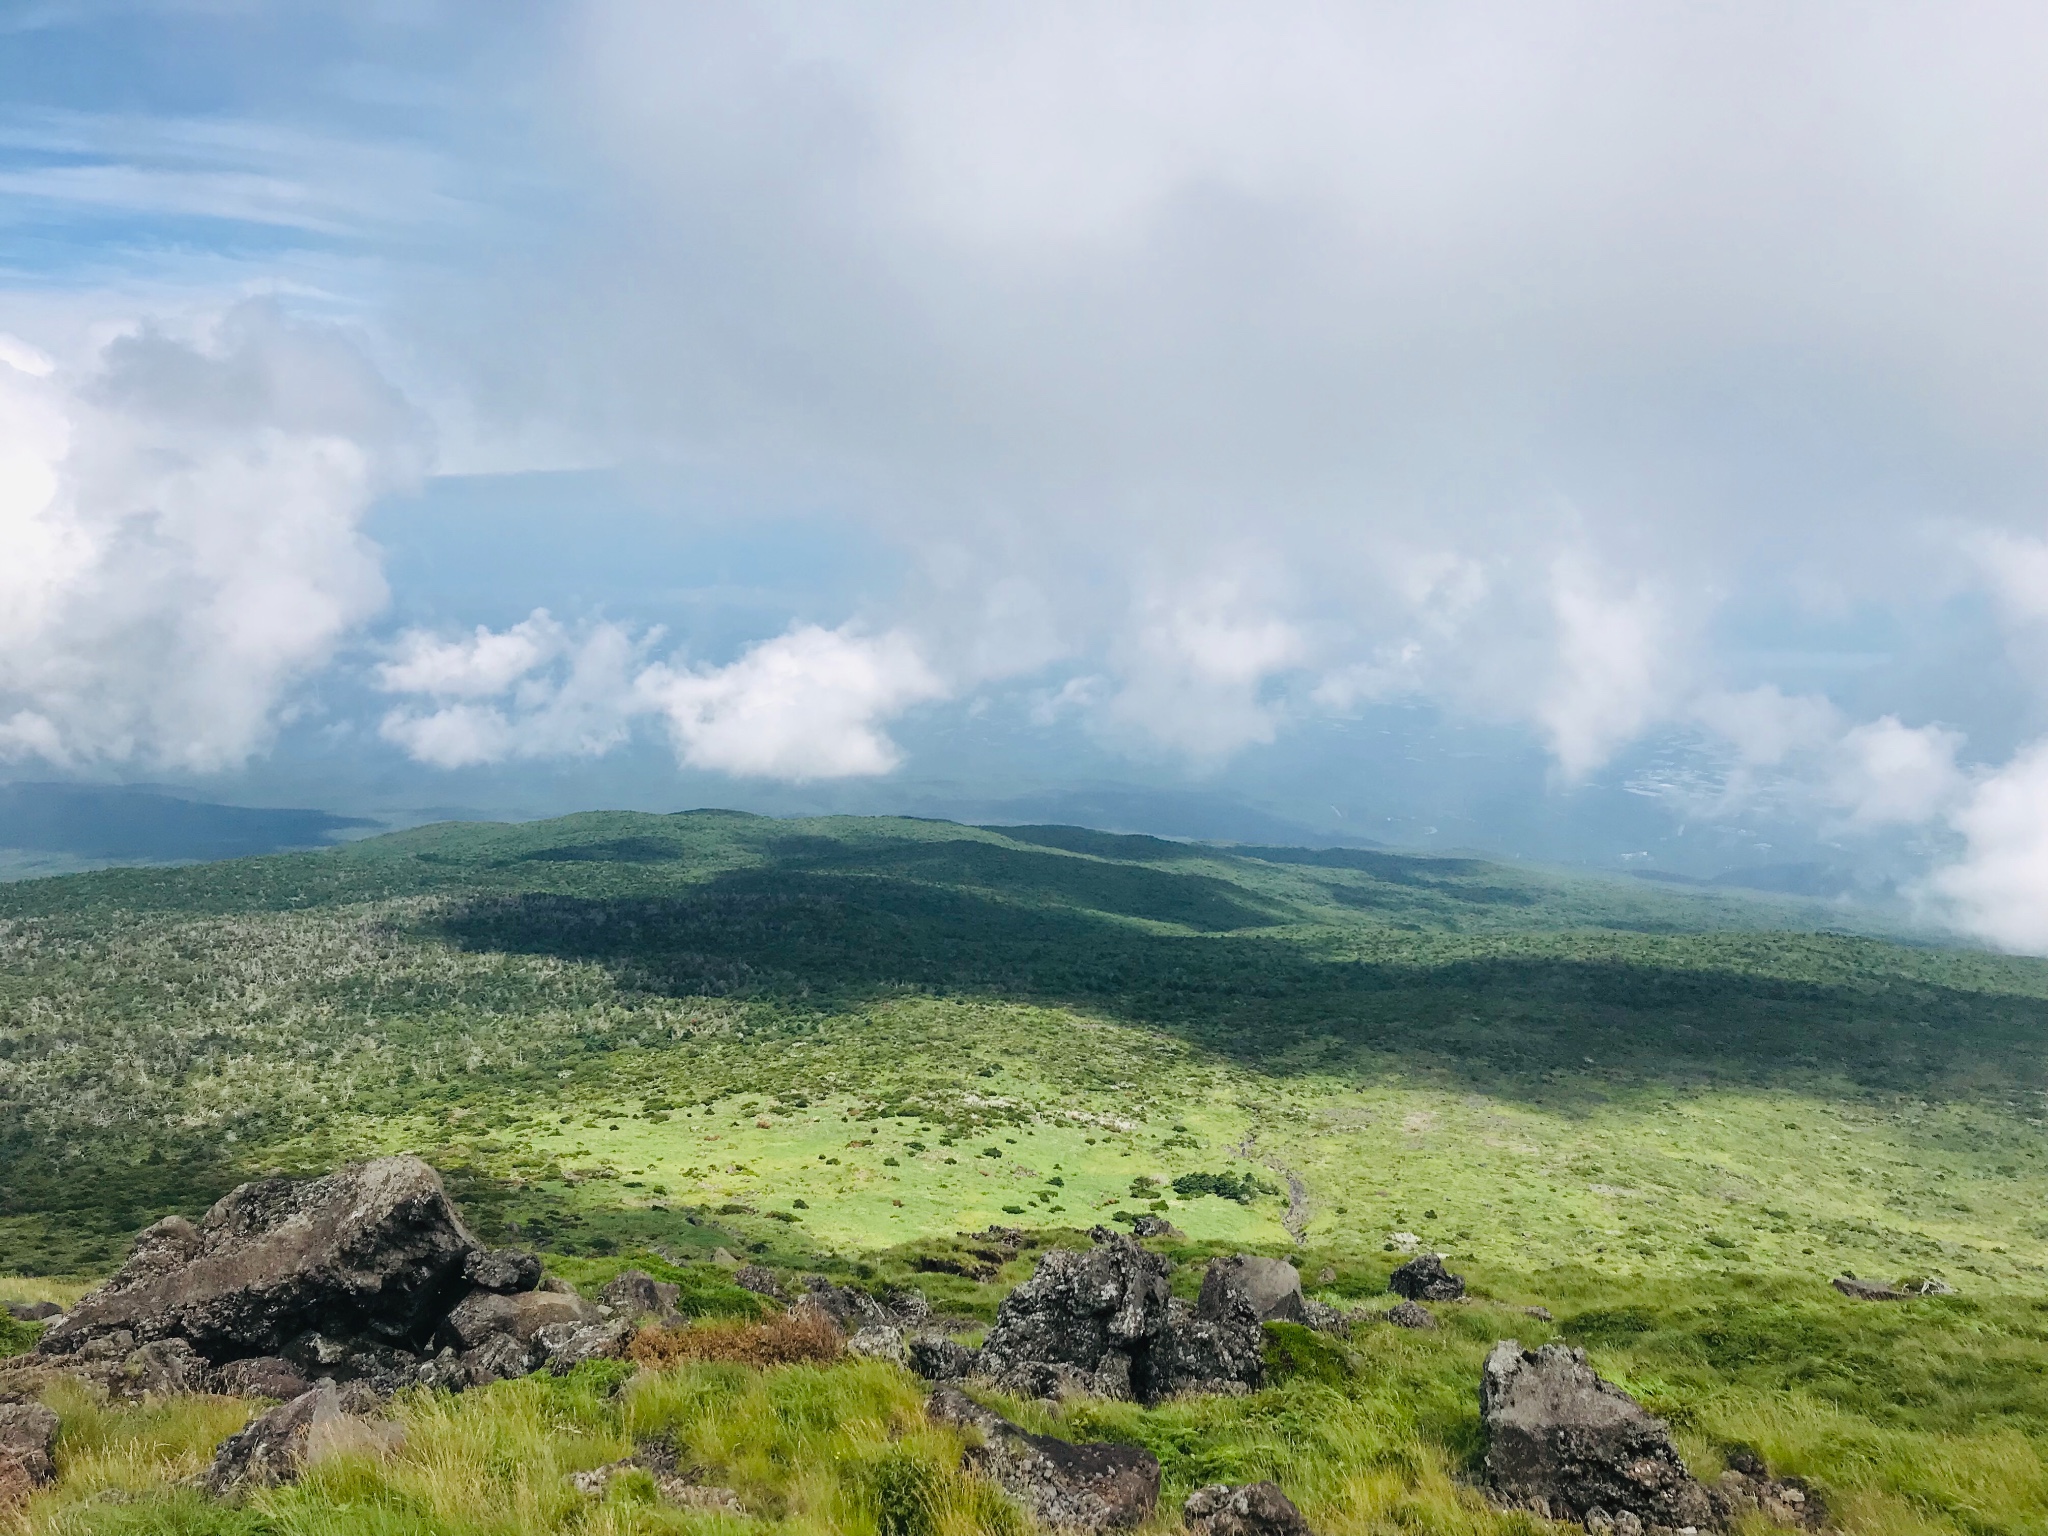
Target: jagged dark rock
{"points": [[637, 1294], [28, 1442], [509, 1270], [1063, 1485], [1424, 1278], [272, 1448], [760, 1280], [1564, 1443], [1218, 1345], [1086, 1322], [938, 1358], [262, 1376], [372, 1252], [1255, 1509], [1411, 1314]]}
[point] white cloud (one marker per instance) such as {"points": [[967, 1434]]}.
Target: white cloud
{"points": [[181, 524], [1999, 888], [806, 705], [1194, 666], [1887, 773], [475, 666], [1608, 677], [809, 704]]}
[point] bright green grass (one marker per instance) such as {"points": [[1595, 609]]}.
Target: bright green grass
{"points": [[1924, 1417], [1668, 1118]]}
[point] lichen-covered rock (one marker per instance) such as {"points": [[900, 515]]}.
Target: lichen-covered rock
{"points": [[1562, 1442], [847, 1307], [637, 1294], [1218, 1345], [28, 1442], [272, 1448], [1063, 1485], [167, 1367], [1083, 1321], [938, 1358], [1424, 1278], [1411, 1314], [372, 1251], [1273, 1286], [759, 1279], [1255, 1509], [564, 1346], [881, 1343], [510, 1270]]}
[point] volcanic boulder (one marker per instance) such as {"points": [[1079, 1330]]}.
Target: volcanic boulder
{"points": [[1273, 1286], [1424, 1278], [28, 1442], [1255, 1509], [1063, 1485], [1564, 1443], [1086, 1322], [1219, 1345], [373, 1252]]}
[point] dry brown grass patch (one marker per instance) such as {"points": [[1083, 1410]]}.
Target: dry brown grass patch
{"points": [[797, 1340]]}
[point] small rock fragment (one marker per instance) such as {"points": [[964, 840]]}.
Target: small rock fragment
{"points": [[1411, 1314], [1063, 1485], [1255, 1509], [1866, 1290]]}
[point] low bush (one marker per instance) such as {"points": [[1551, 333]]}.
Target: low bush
{"points": [[804, 1338]]}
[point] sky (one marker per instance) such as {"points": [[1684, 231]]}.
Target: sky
{"points": [[1600, 433]]}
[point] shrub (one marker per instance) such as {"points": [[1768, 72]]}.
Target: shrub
{"points": [[1241, 1187], [806, 1337]]}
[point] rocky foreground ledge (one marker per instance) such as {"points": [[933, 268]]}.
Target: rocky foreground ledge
{"points": [[331, 1294]]}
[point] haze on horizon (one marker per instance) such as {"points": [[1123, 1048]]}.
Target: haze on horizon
{"points": [[1598, 433]]}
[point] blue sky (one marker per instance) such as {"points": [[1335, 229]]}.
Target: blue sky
{"points": [[1609, 435]]}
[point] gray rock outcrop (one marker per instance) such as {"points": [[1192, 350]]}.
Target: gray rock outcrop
{"points": [[28, 1443], [1564, 1443], [1254, 1509], [1273, 1285], [1424, 1278], [372, 1252], [1063, 1485], [1086, 1322], [938, 1358], [637, 1294], [502, 1269], [1866, 1290], [1218, 1345], [33, 1311], [1411, 1314], [283, 1442]]}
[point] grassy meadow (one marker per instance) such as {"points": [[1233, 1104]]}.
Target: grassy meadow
{"points": [[1666, 1116]]}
